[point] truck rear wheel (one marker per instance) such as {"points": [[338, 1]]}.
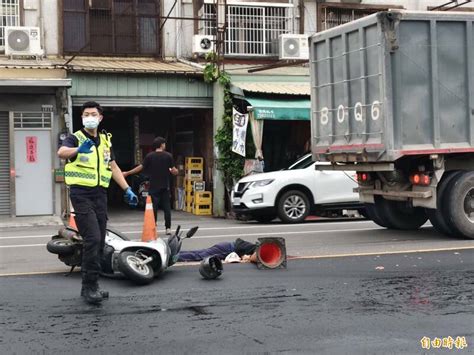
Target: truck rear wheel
{"points": [[460, 205], [374, 215], [400, 215], [437, 216]]}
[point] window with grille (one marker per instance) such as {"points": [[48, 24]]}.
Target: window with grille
{"points": [[39, 120], [9, 16], [330, 16], [112, 27], [251, 30]]}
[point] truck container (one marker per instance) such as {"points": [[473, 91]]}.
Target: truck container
{"points": [[393, 98]]}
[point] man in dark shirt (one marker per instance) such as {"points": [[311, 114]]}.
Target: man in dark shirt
{"points": [[159, 166]]}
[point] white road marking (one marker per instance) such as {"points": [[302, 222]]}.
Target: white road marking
{"points": [[381, 253], [205, 229], [22, 245], [247, 235]]}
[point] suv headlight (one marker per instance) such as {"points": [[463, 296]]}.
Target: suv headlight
{"points": [[261, 183]]}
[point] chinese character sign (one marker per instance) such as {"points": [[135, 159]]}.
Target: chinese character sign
{"points": [[240, 122], [447, 342], [31, 149]]}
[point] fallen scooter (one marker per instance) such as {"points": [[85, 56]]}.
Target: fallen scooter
{"points": [[139, 261]]}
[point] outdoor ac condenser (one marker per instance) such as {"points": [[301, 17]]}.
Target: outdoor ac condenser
{"points": [[203, 44], [22, 41], [293, 47]]}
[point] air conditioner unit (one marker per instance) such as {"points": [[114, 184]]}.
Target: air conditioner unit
{"points": [[203, 43], [291, 46], [22, 41]]}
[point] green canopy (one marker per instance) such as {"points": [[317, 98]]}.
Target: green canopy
{"points": [[280, 109]]}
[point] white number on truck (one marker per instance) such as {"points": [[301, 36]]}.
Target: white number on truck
{"points": [[358, 112], [324, 115], [375, 110], [341, 113]]}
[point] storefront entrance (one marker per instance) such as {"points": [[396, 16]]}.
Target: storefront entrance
{"points": [[284, 142], [188, 133]]}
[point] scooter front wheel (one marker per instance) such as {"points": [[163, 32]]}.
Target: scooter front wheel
{"points": [[131, 265]]}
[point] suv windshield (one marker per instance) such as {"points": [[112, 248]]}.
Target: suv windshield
{"points": [[301, 163]]}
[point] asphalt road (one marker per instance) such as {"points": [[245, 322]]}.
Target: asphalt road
{"points": [[23, 250], [353, 288], [346, 305]]}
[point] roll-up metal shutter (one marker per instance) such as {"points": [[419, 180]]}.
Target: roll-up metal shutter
{"points": [[4, 164]]}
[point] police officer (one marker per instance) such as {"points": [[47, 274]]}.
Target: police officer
{"points": [[89, 168]]}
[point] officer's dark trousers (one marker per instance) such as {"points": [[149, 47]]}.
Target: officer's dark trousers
{"points": [[91, 220], [162, 197]]}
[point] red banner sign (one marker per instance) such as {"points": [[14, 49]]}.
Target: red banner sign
{"points": [[31, 149]]}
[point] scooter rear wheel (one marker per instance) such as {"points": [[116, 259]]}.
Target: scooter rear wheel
{"points": [[61, 246], [130, 264]]}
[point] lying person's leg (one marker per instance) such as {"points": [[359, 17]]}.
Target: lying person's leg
{"points": [[221, 250]]}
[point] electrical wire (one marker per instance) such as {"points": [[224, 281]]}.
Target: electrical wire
{"points": [[169, 13]]}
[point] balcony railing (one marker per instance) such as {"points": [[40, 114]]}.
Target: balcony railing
{"points": [[9, 16], [251, 30]]}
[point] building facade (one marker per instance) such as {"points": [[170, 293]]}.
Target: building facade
{"points": [[139, 60]]}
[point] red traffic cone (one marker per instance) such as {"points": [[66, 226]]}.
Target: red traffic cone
{"points": [[271, 253]]}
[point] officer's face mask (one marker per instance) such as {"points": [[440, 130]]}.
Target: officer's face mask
{"points": [[90, 121]]}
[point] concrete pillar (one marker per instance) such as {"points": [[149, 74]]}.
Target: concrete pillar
{"points": [[219, 189]]}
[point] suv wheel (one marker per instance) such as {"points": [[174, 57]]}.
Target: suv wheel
{"points": [[293, 206]]}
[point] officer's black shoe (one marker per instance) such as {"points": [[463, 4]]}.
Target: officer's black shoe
{"points": [[104, 294], [91, 295]]}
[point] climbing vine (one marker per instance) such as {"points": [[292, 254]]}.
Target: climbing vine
{"points": [[230, 163]]}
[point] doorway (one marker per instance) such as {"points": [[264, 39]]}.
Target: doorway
{"points": [[33, 163]]}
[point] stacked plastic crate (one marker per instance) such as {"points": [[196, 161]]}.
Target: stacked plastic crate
{"points": [[202, 203], [193, 178]]}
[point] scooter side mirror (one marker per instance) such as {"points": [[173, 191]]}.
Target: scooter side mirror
{"points": [[177, 230], [191, 232]]}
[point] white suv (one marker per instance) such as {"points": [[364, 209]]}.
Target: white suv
{"points": [[292, 193]]}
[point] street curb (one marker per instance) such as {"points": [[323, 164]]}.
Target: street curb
{"points": [[50, 221]]}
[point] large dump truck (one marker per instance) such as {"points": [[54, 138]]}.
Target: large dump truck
{"points": [[393, 99]]}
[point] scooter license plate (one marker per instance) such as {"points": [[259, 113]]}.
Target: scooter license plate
{"points": [[144, 194]]}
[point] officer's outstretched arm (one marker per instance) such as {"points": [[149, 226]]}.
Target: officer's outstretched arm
{"points": [[118, 176], [67, 152]]}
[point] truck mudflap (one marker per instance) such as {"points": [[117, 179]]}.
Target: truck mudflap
{"points": [[350, 153], [420, 196], [396, 194]]}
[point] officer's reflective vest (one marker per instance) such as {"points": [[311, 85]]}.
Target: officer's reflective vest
{"points": [[91, 169]]}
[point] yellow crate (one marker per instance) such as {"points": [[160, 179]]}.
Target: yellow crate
{"points": [[194, 163], [190, 197], [194, 175], [203, 197], [188, 207], [202, 210]]}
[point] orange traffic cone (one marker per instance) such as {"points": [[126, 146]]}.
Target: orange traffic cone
{"points": [[72, 221], [149, 227]]}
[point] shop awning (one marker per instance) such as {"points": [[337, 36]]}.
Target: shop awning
{"points": [[36, 82], [280, 109]]}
